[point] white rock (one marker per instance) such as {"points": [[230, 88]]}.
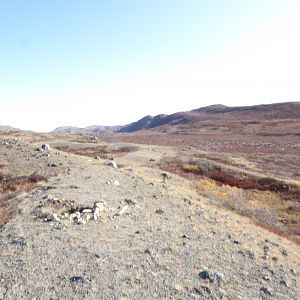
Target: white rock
{"points": [[87, 210], [122, 210], [116, 183], [100, 205], [81, 221], [52, 217], [51, 198], [96, 213], [46, 147], [112, 164]]}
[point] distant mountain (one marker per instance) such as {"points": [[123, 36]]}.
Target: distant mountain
{"points": [[258, 119], [94, 129], [219, 115], [8, 128]]}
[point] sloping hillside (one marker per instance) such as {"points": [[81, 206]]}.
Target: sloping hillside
{"points": [[270, 119]]}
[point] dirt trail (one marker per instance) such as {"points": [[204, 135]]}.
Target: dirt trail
{"points": [[155, 250]]}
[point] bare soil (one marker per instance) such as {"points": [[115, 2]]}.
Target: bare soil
{"points": [[171, 232]]}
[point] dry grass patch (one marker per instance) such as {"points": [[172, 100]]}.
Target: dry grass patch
{"points": [[9, 189], [269, 201], [103, 152]]}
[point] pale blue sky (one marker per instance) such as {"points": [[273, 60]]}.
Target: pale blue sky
{"points": [[91, 62]]}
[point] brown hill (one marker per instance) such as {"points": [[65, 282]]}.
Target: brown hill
{"points": [[274, 119]]}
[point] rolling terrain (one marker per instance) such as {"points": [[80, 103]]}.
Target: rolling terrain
{"points": [[273, 119], [196, 205]]}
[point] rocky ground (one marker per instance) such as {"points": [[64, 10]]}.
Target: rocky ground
{"points": [[153, 237]]}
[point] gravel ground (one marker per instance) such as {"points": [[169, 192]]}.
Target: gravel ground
{"points": [[168, 244]]}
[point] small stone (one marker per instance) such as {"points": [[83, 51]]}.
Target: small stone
{"points": [[212, 276], [122, 210], [293, 272], [72, 186], [97, 157], [187, 201], [112, 164], [159, 211], [51, 198], [81, 221], [283, 252], [116, 183], [87, 211], [266, 278], [77, 279], [267, 291], [283, 282], [165, 175], [130, 201], [204, 289], [55, 218], [52, 165], [97, 208], [46, 147], [75, 215], [20, 241], [250, 254]]}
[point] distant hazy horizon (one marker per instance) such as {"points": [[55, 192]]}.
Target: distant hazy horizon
{"points": [[82, 63]]}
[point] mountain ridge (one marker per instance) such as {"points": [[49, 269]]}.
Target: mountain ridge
{"points": [[218, 115]]}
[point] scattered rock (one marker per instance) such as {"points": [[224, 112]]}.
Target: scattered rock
{"points": [[81, 221], [52, 218], [116, 183], [203, 290], [20, 242], [267, 291], [159, 211], [283, 282], [187, 201], [87, 211], [52, 165], [72, 186], [212, 276], [130, 201], [112, 164], [98, 207], [46, 147], [165, 176], [266, 278], [50, 198], [284, 252], [293, 272], [77, 279], [122, 210], [97, 157]]}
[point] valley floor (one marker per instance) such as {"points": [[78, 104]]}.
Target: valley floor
{"points": [[169, 243]]}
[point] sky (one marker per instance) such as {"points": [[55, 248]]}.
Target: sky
{"points": [[99, 62]]}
